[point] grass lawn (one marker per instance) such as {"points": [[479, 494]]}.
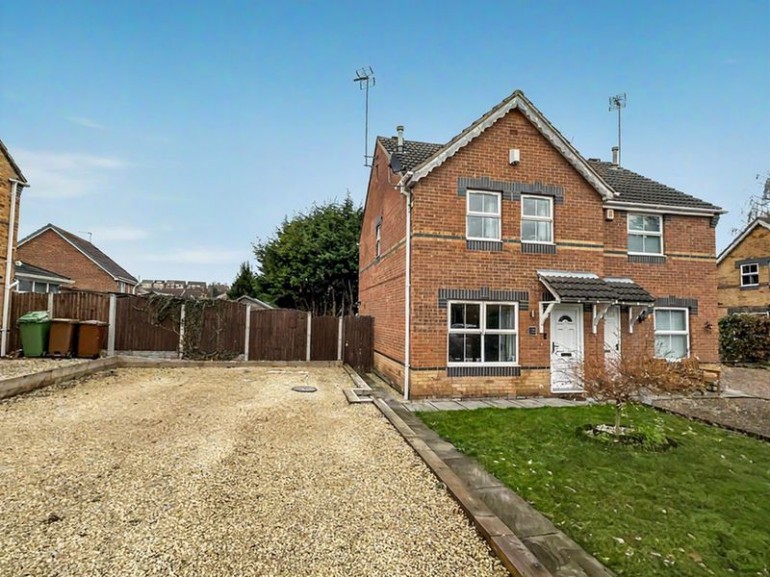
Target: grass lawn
{"points": [[700, 508]]}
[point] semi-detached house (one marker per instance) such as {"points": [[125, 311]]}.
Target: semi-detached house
{"points": [[494, 262]]}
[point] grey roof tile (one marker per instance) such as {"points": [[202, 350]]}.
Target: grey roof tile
{"points": [[415, 152], [24, 269], [635, 188], [589, 288]]}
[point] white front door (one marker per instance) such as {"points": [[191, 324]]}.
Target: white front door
{"points": [[612, 336], [566, 347]]}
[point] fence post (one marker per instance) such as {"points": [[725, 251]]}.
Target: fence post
{"points": [[339, 339], [111, 327], [309, 331], [181, 331], [246, 340], [50, 305]]}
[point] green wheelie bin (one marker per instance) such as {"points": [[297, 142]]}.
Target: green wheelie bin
{"points": [[34, 327]]}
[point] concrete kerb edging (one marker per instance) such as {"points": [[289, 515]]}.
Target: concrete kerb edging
{"points": [[511, 551], [28, 383]]}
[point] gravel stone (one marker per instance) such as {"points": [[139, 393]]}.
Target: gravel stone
{"points": [[220, 471]]}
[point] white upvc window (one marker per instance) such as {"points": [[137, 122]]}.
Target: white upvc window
{"points": [[482, 333], [750, 274], [483, 222], [378, 240], [537, 219], [672, 333], [645, 234]]}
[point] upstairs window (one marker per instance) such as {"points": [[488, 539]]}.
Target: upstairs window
{"points": [[645, 234], [536, 219], [750, 274], [672, 334], [482, 333], [483, 216], [377, 240]]}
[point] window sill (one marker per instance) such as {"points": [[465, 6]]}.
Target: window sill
{"points": [[750, 287], [478, 370], [646, 258], [485, 245], [530, 247]]}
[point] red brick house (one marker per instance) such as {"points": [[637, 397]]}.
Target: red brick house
{"points": [[493, 262], [56, 250], [12, 182]]}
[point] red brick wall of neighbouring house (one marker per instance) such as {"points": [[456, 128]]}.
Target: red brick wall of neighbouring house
{"points": [[50, 251], [7, 172], [381, 281], [585, 242]]}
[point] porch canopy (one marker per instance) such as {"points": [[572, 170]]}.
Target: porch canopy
{"points": [[588, 288]]}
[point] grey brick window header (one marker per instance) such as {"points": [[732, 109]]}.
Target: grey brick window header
{"points": [[676, 302], [483, 294], [759, 261], [511, 190]]}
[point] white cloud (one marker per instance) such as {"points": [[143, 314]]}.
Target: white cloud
{"points": [[85, 122], [117, 233], [66, 174], [200, 255]]}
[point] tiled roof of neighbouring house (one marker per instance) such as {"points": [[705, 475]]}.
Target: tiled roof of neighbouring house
{"points": [[92, 252], [24, 269], [638, 189]]}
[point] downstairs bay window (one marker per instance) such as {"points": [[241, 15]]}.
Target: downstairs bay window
{"points": [[482, 333], [672, 334]]}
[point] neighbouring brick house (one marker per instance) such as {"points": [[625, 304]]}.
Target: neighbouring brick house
{"points": [[743, 270], [521, 256], [56, 250], [12, 182]]}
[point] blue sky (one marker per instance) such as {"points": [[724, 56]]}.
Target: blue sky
{"points": [[178, 133]]}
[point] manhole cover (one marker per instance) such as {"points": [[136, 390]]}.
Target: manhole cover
{"points": [[304, 389]]}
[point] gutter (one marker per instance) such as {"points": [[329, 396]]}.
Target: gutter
{"points": [[404, 190], [15, 184]]}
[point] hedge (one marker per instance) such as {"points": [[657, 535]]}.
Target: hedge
{"points": [[744, 339]]}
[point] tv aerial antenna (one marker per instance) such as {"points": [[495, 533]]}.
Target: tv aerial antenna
{"points": [[365, 79], [618, 102]]}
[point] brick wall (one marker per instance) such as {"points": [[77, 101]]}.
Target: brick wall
{"points": [[381, 280], [585, 241], [731, 296], [50, 251]]}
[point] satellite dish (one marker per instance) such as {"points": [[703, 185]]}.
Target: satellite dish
{"points": [[395, 164]]}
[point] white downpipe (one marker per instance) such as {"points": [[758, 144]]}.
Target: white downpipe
{"points": [[8, 266], [402, 184]]}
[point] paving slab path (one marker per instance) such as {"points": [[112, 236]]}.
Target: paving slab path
{"points": [[220, 472]]}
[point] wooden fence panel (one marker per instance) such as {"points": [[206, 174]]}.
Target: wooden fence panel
{"points": [[278, 335], [22, 303], [138, 328], [222, 332], [83, 306], [324, 334], [358, 333]]}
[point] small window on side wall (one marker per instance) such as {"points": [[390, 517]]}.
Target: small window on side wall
{"points": [[378, 240], [483, 219], [750, 274], [536, 219], [645, 234]]}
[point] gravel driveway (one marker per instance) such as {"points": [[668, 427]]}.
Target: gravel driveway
{"points": [[219, 472]]}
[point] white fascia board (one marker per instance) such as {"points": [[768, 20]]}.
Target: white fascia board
{"points": [[662, 209], [544, 127], [739, 239]]}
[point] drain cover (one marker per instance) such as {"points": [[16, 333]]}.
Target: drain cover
{"points": [[304, 389]]}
